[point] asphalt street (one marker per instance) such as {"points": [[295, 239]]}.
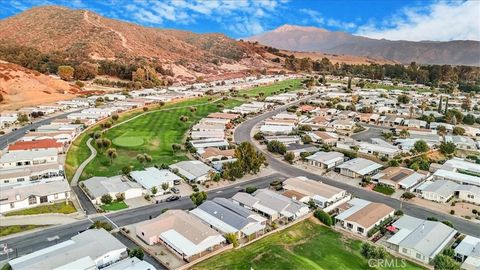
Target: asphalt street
{"points": [[6, 139], [243, 132], [28, 243]]}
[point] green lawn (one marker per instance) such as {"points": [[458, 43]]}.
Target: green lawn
{"points": [[306, 245], [114, 206], [384, 189], [154, 133], [61, 208], [7, 230]]}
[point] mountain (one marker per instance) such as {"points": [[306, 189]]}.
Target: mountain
{"points": [[21, 87], [312, 39]]}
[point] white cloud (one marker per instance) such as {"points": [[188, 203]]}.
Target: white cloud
{"points": [[441, 21], [317, 18]]}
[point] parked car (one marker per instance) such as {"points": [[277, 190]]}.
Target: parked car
{"points": [[175, 190], [172, 198], [176, 182]]}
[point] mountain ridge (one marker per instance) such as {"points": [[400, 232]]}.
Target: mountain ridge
{"points": [[312, 39]]}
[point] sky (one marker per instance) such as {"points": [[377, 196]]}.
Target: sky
{"points": [[390, 19]]}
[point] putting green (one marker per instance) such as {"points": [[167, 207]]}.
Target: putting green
{"points": [[128, 141]]}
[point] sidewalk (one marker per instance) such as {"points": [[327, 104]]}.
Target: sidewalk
{"points": [[44, 219]]}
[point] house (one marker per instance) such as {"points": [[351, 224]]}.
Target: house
{"points": [[415, 123], [468, 252], [115, 186], [276, 129], [28, 174], [59, 136], [180, 232], [419, 239], [212, 142], [217, 128], [297, 149], [212, 153], [324, 196], [326, 160], [91, 249], [398, 177], [226, 216], [468, 193], [285, 139], [36, 145], [324, 137], [27, 158], [459, 171], [197, 135], [214, 121], [439, 190], [193, 170], [271, 205], [376, 149], [343, 124], [461, 142], [360, 216], [27, 196], [153, 177], [359, 167]]}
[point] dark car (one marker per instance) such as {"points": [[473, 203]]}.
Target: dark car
{"points": [[176, 182], [172, 198]]}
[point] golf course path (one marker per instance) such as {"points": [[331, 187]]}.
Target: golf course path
{"points": [[84, 164]]}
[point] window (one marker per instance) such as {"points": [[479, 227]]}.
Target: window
{"points": [[43, 199], [20, 179], [404, 250], [419, 256], [32, 200], [349, 225], [6, 181], [360, 230], [12, 205]]}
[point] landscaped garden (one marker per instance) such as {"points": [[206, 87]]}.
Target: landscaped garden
{"points": [[154, 133], [62, 208], [7, 230], [306, 245], [114, 206], [384, 189]]}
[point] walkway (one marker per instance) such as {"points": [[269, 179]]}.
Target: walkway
{"points": [[84, 164]]}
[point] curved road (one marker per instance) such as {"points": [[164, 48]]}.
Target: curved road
{"points": [[243, 133], [79, 171]]}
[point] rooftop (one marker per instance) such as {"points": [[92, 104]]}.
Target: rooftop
{"points": [[360, 166]]}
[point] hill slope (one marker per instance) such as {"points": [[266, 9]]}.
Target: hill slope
{"points": [[300, 38], [21, 87]]}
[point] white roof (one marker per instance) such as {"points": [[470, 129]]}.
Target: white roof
{"points": [[356, 205], [191, 169], [326, 157], [467, 245], [99, 186], [27, 155], [151, 177], [458, 177], [360, 166]]}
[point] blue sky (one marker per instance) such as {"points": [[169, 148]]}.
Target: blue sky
{"points": [[390, 19]]}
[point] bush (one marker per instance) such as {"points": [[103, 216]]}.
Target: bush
{"points": [[232, 239], [276, 147], [448, 223], [452, 212], [408, 195], [399, 213], [289, 157], [324, 217], [106, 199], [136, 252], [445, 263], [250, 189], [372, 252]]}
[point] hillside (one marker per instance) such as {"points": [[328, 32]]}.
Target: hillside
{"points": [[21, 87], [311, 39]]}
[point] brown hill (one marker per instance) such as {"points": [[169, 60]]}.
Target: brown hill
{"points": [[311, 39], [21, 87]]}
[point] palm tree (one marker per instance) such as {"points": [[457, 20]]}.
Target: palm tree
{"points": [[112, 153], [404, 133], [141, 158], [423, 106], [411, 109]]}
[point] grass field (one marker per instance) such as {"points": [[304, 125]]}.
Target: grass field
{"points": [[154, 133], [306, 245], [61, 208], [384, 189], [7, 230], [114, 206]]}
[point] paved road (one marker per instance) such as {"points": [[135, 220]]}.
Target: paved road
{"points": [[87, 205], [11, 137], [243, 133], [28, 243]]}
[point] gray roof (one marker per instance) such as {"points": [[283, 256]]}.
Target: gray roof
{"points": [[91, 243], [224, 214], [444, 188], [426, 237], [228, 204], [98, 186], [191, 169], [361, 166]]}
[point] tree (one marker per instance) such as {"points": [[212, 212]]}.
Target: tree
{"points": [[404, 99], [65, 72], [447, 148], [387, 136], [136, 252], [106, 199], [141, 158], [106, 143], [249, 159], [408, 195], [443, 262], [22, 118], [442, 130], [154, 190], [101, 225], [112, 154], [148, 158], [275, 146], [404, 133], [198, 197], [423, 106], [421, 146], [289, 157], [165, 186], [458, 131], [145, 109], [469, 119], [114, 117], [467, 104], [86, 71], [126, 170], [324, 217], [232, 239], [250, 189], [176, 147]]}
